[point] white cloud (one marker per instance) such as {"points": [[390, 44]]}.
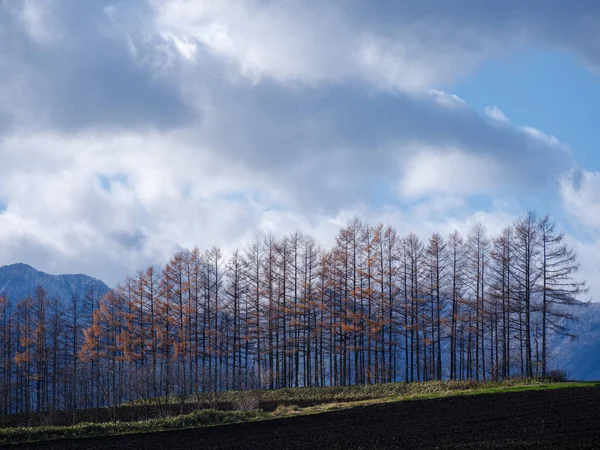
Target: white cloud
{"points": [[168, 198], [541, 136], [397, 46], [580, 198], [446, 99], [495, 113], [38, 20], [321, 42], [151, 126], [588, 256], [430, 171], [580, 194]]}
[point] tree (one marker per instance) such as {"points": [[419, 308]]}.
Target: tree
{"points": [[437, 261], [501, 292], [236, 290], [455, 248], [526, 252], [477, 251], [413, 267], [559, 288]]}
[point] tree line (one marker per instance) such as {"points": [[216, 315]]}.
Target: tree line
{"points": [[285, 312]]}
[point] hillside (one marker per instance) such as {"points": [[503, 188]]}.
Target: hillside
{"points": [[542, 417], [17, 281], [580, 356]]}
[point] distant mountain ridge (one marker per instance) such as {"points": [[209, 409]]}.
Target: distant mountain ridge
{"points": [[580, 356], [17, 281]]}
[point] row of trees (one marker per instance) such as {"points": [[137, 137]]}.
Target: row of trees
{"points": [[284, 312]]}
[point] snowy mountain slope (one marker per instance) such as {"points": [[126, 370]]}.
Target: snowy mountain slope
{"points": [[17, 281], [580, 357]]}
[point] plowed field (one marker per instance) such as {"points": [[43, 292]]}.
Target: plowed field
{"points": [[561, 418]]}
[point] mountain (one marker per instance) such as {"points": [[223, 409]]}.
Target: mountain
{"points": [[579, 356], [17, 281]]}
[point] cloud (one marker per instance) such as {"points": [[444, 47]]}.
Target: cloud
{"points": [[538, 135], [451, 172], [588, 255], [446, 99], [580, 198], [392, 45], [495, 113], [64, 65], [310, 43], [580, 195], [133, 129]]}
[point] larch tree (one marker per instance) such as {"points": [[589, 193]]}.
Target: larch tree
{"points": [[525, 255], [558, 266]]}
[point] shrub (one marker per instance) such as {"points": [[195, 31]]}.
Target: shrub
{"points": [[247, 401], [558, 375], [285, 410]]}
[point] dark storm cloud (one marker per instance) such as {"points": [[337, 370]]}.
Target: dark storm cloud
{"points": [[81, 75], [568, 25]]}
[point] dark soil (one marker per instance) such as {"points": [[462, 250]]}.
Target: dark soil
{"points": [[562, 418]]}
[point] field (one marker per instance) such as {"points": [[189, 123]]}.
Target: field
{"points": [[265, 400], [525, 416]]}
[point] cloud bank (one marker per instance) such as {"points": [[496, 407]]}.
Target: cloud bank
{"points": [[131, 129]]}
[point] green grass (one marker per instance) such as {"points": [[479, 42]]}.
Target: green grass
{"points": [[423, 395], [325, 399], [499, 389], [362, 392], [205, 417]]}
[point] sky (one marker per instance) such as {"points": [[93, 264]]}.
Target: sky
{"points": [[130, 129]]}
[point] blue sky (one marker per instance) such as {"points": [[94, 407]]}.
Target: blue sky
{"points": [[131, 129], [549, 90]]}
